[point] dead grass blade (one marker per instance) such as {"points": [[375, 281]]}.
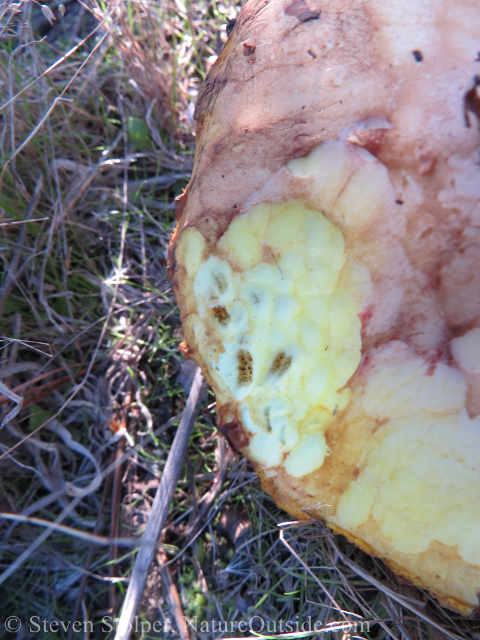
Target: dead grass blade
{"points": [[172, 597], [80, 535], [404, 602], [160, 508]]}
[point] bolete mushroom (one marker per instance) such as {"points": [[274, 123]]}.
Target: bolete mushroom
{"points": [[326, 263]]}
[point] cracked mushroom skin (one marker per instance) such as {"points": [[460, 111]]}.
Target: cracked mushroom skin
{"points": [[326, 263]]}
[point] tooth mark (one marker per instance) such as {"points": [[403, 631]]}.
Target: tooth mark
{"points": [[268, 426], [221, 315], [281, 363], [220, 282], [245, 367]]}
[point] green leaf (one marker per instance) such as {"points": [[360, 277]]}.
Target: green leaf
{"points": [[38, 416], [60, 306], [13, 305], [138, 133]]}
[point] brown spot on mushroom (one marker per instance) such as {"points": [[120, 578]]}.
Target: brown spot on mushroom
{"points": [[300, 10], [220, 282], [185, 349], [245, 367], [235, 435], [281, 363], [221, 315], [471, 101], [269, 255]]}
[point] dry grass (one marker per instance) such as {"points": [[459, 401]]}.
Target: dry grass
{"points": [[96, 140]]}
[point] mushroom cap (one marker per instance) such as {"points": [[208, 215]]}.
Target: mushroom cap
{"points": [[367, 113]]}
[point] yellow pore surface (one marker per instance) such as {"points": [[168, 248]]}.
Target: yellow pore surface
{"points": [[276, 331], [421, 479]]}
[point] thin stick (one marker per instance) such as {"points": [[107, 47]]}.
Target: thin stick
{"points": [[69, 531], [160, 509], [42, 388], [11, 223], [116, 494], [161, 182], [171, 594]]}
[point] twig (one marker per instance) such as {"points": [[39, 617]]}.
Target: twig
{"points": [[28, 344], [75, 533], [160, 182], [43, 389], [12, 223], [116, 494], [85, 619], [171, 595], [160, 509]]}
